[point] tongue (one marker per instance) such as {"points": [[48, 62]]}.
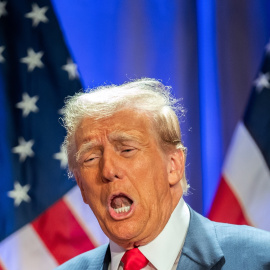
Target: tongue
{"points": [[120, 201]]}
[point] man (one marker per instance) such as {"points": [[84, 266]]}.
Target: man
{"points": [[125, 151]]}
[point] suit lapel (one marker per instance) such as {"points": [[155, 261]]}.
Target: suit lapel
{"points": [[107, 259], [201, 249], [99, 258]]}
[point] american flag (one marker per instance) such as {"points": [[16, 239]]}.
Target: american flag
{"points": [[243, 195], [43, 221]]}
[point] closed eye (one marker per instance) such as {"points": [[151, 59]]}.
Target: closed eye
{"points": [[91, 159], [128, 152]]}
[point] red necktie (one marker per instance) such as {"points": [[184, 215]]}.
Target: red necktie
{"points": [[134, 260]]}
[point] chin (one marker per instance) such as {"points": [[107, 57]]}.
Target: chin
{"points": [[125, 235]]}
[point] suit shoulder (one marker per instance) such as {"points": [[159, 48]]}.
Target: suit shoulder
{"points": [[244, 241], [241, 247], [92, 259], [242, 234]]}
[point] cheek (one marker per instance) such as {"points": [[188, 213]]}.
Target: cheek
{"points": [[92, 188], [150, 178], [96, 202]]}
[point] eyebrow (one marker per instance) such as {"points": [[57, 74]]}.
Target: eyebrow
{"points": [[85, 147]]}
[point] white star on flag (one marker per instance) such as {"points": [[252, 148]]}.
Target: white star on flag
{"points": [[28, 104], [3, 10], [71, 69], [19, 193], [62, 156], [262, 81], [24, 149], [2, 59], [33, 59], [37, 14]]}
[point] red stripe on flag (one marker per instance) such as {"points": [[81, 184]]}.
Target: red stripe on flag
{"points": [[226, 208], [61, 233], [2, 266]]}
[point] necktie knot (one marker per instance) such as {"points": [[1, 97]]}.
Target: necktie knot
{"points": [[134, 260]]}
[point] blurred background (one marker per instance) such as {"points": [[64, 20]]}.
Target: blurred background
{"points": [[209, 52]]}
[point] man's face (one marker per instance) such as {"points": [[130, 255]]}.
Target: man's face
{"points": [[131, 185]]}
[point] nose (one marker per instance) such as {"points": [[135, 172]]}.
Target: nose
{"points": [[110, 167]]}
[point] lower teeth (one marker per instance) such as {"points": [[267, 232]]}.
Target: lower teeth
{"points": [[122, 209]]}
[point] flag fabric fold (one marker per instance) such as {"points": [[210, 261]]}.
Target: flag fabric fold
{"points": [[243, 195]]}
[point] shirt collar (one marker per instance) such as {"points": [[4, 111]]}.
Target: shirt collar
{"points": [[163, 250]]}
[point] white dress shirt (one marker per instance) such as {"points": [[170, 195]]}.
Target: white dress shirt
{"points": [[164, 251]]}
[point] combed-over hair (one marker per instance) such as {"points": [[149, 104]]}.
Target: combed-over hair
{"points": [[145, 95]]}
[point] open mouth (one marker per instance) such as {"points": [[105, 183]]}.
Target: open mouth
{"points": [[120, 205]]}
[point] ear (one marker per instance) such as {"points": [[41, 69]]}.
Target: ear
{"points": [[80, 184], [176, 167]]}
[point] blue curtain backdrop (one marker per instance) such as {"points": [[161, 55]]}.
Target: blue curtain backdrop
{"points": [[208, 51]]}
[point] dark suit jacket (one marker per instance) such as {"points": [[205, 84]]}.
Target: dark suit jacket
{"points": [[208, 245]]}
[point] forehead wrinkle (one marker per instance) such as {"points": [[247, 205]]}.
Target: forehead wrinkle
{"points": [[125, 136]]}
